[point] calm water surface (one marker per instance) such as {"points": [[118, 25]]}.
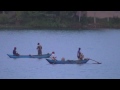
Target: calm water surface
{"points": [[101, 45]]}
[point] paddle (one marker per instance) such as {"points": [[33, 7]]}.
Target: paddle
{"points": [[95, 61]]}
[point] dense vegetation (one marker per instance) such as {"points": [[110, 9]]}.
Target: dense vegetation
{"points": [[53, 20]]}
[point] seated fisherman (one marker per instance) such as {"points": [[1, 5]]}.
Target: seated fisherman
{"points": [[53, 57], [15, 52]]}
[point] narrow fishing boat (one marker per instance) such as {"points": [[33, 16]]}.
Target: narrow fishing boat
{"points": [[30, 56], [67, 61]]}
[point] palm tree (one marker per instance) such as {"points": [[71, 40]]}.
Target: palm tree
{"points": [[94, 17], [79, 15]]}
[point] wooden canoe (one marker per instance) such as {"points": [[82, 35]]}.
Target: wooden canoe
{"points": [[67, 61], [30, 56]]}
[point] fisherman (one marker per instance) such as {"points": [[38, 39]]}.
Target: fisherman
{"points": [[80, 55], [39, 48], [53, 57], [15, 52]]}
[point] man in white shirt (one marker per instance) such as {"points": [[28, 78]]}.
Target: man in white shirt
{"points": [[53, 57]]}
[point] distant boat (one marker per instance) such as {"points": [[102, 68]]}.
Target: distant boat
{"points": [[67, 61], [30, 56]]}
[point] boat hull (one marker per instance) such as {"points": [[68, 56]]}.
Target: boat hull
{"points": [[67, 61], [30, 56]]}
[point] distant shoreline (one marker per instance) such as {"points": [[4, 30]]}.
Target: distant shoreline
{"points": [[57, 20], [55, 28]]}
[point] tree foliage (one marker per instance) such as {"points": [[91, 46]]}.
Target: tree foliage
{"points": [[50, 19]]}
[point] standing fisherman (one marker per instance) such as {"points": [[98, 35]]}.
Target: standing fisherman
{"points": [[39, 48], [80, 55]]}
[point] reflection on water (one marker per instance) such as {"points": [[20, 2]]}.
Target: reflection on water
{"points": [[100, 45]]}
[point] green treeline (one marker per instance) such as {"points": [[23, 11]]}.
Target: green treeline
{"points": [[54, 20]]}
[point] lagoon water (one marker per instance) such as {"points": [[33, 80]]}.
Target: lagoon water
{"points": [[100, 45]]}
